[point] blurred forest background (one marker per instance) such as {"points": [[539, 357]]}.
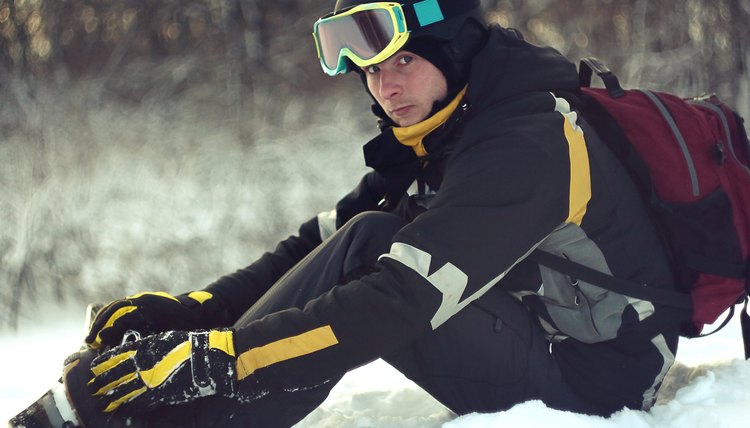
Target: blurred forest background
{"points": [[158, 144]]}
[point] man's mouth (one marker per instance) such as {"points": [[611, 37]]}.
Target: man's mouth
{"points": [[401, 111]]}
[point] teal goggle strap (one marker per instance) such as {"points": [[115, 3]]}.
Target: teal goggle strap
{"points": [[426, 12]]}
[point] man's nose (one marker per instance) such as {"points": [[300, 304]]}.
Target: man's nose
{"points": [[390, 85]]}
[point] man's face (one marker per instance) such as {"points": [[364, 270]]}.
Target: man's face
{"points": [[406, 86]]}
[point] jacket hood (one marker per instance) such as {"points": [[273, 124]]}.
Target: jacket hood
{"points": [[508, 66]]}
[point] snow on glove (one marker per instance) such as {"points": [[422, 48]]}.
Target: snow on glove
{"points": [[167, 368], [153, 312]]}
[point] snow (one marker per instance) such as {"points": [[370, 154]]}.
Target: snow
{"points": [[376, 395]]}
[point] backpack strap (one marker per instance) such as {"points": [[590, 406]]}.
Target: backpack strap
{"points": [[591, 64], [625, 287], [745, 324], [608, 282]]}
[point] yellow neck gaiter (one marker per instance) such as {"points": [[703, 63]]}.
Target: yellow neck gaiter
{"points": [[413, 135]]}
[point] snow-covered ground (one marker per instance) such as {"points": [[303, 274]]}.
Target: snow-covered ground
{"points": [[378, 396]]}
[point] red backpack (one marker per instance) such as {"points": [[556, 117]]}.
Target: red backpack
{"points": [[690, 159]]}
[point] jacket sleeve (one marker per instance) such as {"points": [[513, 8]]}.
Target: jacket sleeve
{"points": [[239, 290], [500, 197]]}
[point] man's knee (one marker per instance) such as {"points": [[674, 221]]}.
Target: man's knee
{"points": [[376, 223], [366, 237]]}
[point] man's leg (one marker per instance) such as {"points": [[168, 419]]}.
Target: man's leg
{"points": [[349, 253], [486, 358]]}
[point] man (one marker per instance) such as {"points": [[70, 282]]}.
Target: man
{"points": [[479, 162]]}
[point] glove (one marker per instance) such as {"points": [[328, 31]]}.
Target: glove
{"points": [[149, 313], [167, 368]]}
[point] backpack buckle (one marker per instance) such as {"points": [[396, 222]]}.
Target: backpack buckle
{"points": [[591, 65]]}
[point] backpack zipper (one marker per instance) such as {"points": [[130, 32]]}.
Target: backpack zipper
{"points": [[678, 135], [725, 125]]}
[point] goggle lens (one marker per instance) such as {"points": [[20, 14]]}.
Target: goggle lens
{"points": [[364, 34]]}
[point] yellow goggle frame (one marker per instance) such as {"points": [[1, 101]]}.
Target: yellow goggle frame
{"points": [[356, 34]]}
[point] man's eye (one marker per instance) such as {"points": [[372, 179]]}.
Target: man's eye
{"points": [[370, 69], [405, 59]]}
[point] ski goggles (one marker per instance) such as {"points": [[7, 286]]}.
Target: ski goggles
{"points": [[369, 33], [366, 34]]}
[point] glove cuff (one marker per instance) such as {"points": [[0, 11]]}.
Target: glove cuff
{"points": [[214, 362], [207, 308]]}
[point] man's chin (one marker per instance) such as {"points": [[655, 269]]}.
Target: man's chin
{"points": [[404, 122]]}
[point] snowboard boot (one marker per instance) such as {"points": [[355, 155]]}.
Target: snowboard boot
{"points": [[69, 404]]}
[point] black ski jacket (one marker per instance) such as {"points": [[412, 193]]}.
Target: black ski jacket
{"points": [[513, 169]]}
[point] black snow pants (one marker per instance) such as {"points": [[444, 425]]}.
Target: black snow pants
{"points": [[488, 357]]}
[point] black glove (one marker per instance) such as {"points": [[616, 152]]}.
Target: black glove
{"points": [[149, 313], [167, 368]]}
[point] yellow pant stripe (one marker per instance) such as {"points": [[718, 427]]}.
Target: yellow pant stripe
{"points": [[285, 349]]}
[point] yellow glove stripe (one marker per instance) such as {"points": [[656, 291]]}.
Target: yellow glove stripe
{"points": [[221, 340], [154, 293], [110, 386], [166, 366], [110, 322], [118, 313], [284, 349], [115, 404], [200, 296], [108, 364]]}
